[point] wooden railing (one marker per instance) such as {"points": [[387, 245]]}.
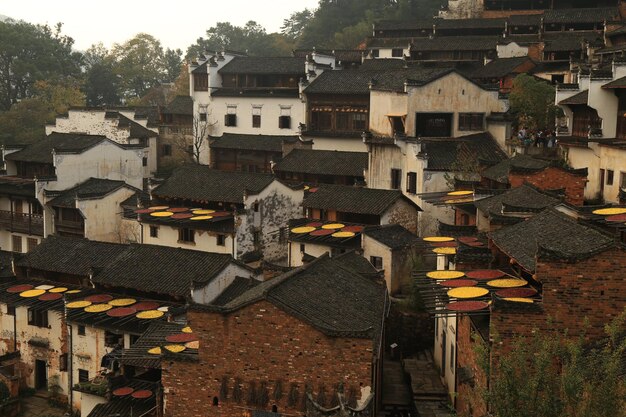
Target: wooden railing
{"points": [[22, 222]]}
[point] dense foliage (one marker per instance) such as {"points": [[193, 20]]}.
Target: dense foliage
{"points": [[532, 102], [555, 375]]}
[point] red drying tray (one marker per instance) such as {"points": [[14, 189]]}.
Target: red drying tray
{"points": [[516, 292], [121, 312], [467, 305], [180, 216], [177, 209], [146, 305], [99, 298], [144, 211], [120, 392], [616, 218], [50, 296], [353, 229], [142, 394], [220, 214], [475, 243], [314, 224], [20, 288], [181, 338], [467, 239], [453, 283], [484, 274]]}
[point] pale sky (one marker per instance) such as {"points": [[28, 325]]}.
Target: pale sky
{"points": [[176, 23]]}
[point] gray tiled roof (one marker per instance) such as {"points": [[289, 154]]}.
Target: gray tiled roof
{"points": [[264, 65], [41, 150], [90, 189], [525, 20], [147, 268], [579, 98], [582, 15], [500, 67], [74, 256], [442, 154], [618, 83], [270, 143], [500, 172], [162, 270], [348, 199], [358, 81], [393, 236], [180, 105], [235, 289], [569, 41], [524, 198], [550, 231], [322, 162], [327, 295], [136, 130], [203, 184], [495, 23]]}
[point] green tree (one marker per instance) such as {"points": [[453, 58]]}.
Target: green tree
{"points": [[172, 59], [553, 375], [30, 53], [532, 101], [140, 64], [251, 38], [294, 25], [25, 121]]}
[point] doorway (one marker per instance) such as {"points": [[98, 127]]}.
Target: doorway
{"points": [[41, 374]]}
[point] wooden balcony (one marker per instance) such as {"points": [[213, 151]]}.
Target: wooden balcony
{"points": [[70, 228], [31, 224]]}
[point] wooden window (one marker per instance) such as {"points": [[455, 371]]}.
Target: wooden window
{"points": [[154, 231], [321, 120], [359, 121], [375, 53], [80, 330], [397, 124], [144, 161], [10, 310], [377, 261], [284, 122], [256, 120], [302, 247], [397, 53], [396, 178], [31, 243], [83, 375], [37, 317], [230, 120], [166, 150], [186, 235], [200, 82], [622, 179], [411, 182], [63, 362], [221, 240], [609, 177], [471, 121], [16, 243], [36, 208], [203, 117]]}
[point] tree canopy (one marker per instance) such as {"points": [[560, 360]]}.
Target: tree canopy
{"points": [[532, 101]]}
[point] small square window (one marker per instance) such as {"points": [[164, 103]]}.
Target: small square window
{"points": [[396, 178], [284, 122], [221, 240], [411, 182], [144, 161], [81, 330], [256, 120], [302, 247], [203, 117], [154, 231], [230, 120], [16, 243], [166, 150], [31, 243], [37, 317], [83, 375], [375, 53], [397, 53], [609, 177], [10, 310], [377, 261], [186, 235]]}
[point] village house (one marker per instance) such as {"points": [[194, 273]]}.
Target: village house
{"points": [[239, 213], [593, 136], [315, 330], [77, 173], [124, 126]]}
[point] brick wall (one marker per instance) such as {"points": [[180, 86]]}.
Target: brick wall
{"points": [[261, 344], [553, 178], [468, 400], [574, 293]]}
